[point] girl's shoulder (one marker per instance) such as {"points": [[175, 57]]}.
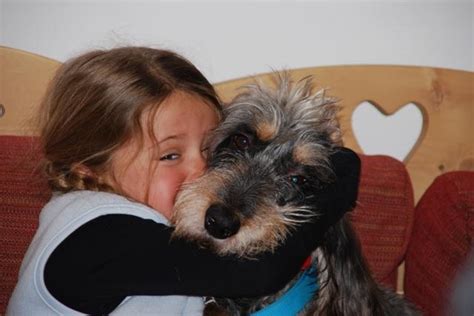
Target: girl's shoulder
{"points": [[89, 199], [93, 203]]}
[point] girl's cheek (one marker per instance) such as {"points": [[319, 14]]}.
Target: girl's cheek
{"points": [[163, 192], [133, 184]]}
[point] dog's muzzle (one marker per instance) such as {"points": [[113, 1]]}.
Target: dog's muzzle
{"points": [[220, 222]]}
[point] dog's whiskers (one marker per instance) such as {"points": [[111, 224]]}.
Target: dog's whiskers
{"points": [[302, 215]]}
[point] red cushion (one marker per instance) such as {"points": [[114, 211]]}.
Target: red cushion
{"points": [[383, 217], [23, 192], [442, 238]]}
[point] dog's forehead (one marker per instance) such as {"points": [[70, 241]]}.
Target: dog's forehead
{"points": [[270, 118], [273, 119], [280, 138], [287, 107], [309, 154], [289, 120]]}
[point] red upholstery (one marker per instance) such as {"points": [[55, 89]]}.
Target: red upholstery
{"points": [[23, 192], [383, 217], [442, 238]]}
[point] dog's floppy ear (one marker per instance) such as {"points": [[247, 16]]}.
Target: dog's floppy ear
{"points": [[347, 287], [339, 196]]}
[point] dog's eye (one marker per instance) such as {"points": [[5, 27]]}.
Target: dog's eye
{"points": [[241, 142], [297, 180]]}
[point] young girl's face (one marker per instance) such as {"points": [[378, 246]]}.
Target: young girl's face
{"points": [[152, 172]]}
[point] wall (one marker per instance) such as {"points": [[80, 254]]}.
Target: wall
{"points": [[229, 39]]}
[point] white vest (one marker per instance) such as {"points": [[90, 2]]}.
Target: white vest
{"points": [[59, 218]]}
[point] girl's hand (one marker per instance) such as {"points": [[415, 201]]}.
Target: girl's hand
{"points": [[336, 198]]}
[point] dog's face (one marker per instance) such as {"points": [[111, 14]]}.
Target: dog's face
{"points": [[267, 161]]}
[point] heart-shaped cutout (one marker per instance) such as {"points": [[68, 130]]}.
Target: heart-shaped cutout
{"points": [[393, 135]]}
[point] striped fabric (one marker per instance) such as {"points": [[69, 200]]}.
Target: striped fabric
{"points": [[442, 239], [383, 217], [23, 192]]}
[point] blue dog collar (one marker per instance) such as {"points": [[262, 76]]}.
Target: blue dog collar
{"points": [[295, 299]]}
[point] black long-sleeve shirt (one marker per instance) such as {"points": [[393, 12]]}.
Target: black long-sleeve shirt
{"points": [[115, 256]]}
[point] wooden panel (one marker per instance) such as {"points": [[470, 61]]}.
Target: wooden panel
{"points": [[23, 81], [445, 97]]}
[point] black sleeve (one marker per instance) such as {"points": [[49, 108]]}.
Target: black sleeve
{"points": [[115, 256]]}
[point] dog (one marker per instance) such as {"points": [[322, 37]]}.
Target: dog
{"points": [[269, 155]]}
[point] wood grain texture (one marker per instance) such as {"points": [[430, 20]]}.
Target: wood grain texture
{"points": [[24, 78]]}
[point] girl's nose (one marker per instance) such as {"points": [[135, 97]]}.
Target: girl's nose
{"points": [[196, 168]]}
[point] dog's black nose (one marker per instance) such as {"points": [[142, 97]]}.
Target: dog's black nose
{"points": [[221, 222]]}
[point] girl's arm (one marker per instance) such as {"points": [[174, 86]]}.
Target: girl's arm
{"points": [[115, 256]]}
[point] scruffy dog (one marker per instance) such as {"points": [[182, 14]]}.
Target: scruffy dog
{"points": [[267, 158]]}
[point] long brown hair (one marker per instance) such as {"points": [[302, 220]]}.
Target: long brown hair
{"points": [[94, 105]]}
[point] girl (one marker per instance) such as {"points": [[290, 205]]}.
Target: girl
{"points": [[121, 130]]}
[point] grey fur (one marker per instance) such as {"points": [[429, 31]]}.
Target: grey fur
{"points": [[291, 132]]}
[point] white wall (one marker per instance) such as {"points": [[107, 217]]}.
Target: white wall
{"points": [[229, 39]]}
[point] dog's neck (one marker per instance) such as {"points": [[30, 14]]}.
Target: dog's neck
{"points": [[288, 301], [295, 298]]}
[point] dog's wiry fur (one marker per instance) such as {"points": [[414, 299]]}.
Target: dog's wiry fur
{"points": [[286, 123], [266, 159]]}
